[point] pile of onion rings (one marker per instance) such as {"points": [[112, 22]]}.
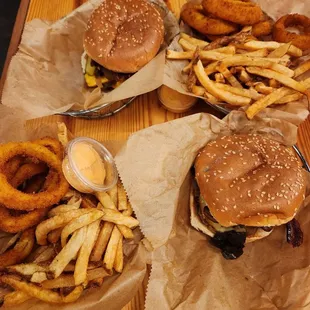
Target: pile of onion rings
{"points": [[216, 18], [282, 35], [31, 181]]}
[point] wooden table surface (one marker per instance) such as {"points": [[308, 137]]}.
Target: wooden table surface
{"points": [[143, 112]]}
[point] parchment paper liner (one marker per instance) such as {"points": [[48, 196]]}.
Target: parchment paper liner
{"points": [[187, 273], [117, 290], [45, 76]]}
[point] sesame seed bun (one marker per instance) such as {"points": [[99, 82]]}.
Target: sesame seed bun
{"points": [[124, 35], [250, 180]]}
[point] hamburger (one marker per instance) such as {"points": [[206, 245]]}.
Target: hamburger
{"points": [[121, 37], [245, 185]]}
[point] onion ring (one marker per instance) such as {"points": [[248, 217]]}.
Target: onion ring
{"points": [[263, 28], [26, 172], [15, 199], [52, 144], [20, 251], [12, 166], [35, 184], [193, 15], [13, 224], [280, 33], [235, 11]]}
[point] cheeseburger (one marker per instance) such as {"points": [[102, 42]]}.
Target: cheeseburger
{"points": [[245, 185], [122, 36]]}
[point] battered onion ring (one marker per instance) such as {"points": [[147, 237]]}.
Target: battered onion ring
{"points": [[263, 28], [35, 184], [52, 144], [239, 12], [13, 224], [15, 199], [20, 251], [280, 33], [193, 15], [26, 172], [12, 166]]}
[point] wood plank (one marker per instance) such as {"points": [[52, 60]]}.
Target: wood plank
{"points": [[15, 39]]}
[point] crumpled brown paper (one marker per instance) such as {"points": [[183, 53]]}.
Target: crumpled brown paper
{"points": [[188, 273], [295, 112], [117, 290], [46, 76]]}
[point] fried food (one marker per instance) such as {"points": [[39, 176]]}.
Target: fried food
{"points": [[235, 11], [40, 293], [15, 298], [194, 16], [263, 28], [52, 144], [266, 101], [55, 222], [20, 251], [15, 223], [280, 34], [13, 198]]}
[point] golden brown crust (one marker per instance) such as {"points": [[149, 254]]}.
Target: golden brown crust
{"points": [[250, 180], [193, 15], [280, 33], [124, 35], [239, 12]]}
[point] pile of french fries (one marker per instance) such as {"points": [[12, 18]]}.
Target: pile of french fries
{"points": [[79, 245], [251, 74]]}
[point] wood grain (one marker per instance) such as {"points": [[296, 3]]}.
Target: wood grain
{"points": [[15, 39], [143, 112]]}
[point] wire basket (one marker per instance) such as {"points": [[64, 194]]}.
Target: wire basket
{"points": [[101, 111]]}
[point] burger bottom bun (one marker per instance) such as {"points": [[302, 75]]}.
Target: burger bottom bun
{"points": [[255, 234]]}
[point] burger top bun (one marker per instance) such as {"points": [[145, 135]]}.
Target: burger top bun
{"points": [[250, 180], [124, 35]]}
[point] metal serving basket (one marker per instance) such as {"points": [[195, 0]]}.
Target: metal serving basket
{"points": [[101, 111]]}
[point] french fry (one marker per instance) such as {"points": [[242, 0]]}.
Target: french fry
{"points": [[80, 272], [10, 243], [219, 78], [230, 50], [113, 194], [206, 55], [26, 269], [110, 253], [118, 218], [244, 76], [46, 255], [119, 257], [241, 60], [67, 280], [40, 293], [301, 69], [290, 98], [91, 265], [80, 222], [249, 93], [259, 53], [274, 83], [62, 133], [187, 46], [65, 208], [122, 197], [125, 231], [193, 41], [15, 298], [271, 45], [54, 235], [285, 80], [102, 241], [261, 88], [211, 99], [198, 90], [280, 51], [228, 76], [68, 252], [55, 222], [106, 200], [268, 100], [218, 93], [38, 277]]}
